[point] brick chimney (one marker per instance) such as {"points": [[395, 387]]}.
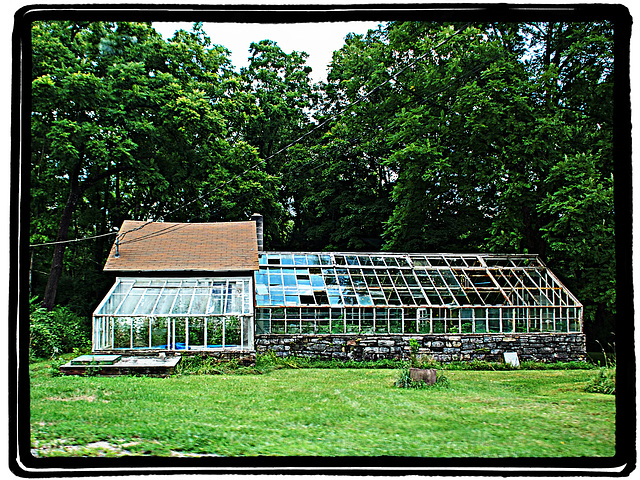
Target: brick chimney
{"points": [[256, 217]]}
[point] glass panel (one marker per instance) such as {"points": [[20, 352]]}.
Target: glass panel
{"points": [[480, 320], [424, 322], [419, 261], [277, 326], [289, 280], [130, 303], [164, 304], [147, 303], [122, 332], [323, 320], [364, 299], [286, 259], [140, 332], [352, 260], [182, 302], [507, 320], [196, 332], [365, 260], [366, 320], [378, 261], [402, 262], [381, 323], [112, 304], [391, 261], [437, 323], [395, 320], [199, 304], [466, 320], [352, 320], [410, 321], [494, 320]]}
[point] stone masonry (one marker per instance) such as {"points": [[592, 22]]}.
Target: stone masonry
{"points": [[543, 347]]}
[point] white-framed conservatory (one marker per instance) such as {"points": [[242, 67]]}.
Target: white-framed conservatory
{"points": [[167, 313]]}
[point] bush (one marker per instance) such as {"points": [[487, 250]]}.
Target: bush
{"points": [[52, 333], [604, 381]]}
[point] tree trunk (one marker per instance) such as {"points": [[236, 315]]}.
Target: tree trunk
{"points": [[58, 251]]}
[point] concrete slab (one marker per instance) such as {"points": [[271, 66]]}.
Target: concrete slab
{"points": [[96, 359], [150, 366]]}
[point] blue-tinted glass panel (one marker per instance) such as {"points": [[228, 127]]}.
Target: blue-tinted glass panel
{"points": [[286, 259], [335, 300], [365, 300]]}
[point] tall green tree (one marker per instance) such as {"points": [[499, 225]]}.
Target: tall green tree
{"points": [[345, 189], [481, 128], [282, 98], [127, 125]]}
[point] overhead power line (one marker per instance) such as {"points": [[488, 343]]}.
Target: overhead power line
{"points": [[302, 137], [260, 162], [72, 240]]}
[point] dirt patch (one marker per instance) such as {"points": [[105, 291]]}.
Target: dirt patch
{"points": [[79, 398], [94, 449]]}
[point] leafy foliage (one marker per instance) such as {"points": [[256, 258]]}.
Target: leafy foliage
{"points": [[57, 331]]}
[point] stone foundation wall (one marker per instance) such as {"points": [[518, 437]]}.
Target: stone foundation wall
{"points": [[543, 347]]}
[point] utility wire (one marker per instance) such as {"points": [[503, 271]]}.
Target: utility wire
{"points": [[302, 137], [350, 105], [72, 240]]}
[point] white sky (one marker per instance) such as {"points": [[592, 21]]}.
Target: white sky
{"points": [[318, 40]]}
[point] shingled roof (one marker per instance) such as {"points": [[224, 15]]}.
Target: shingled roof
{"points": [[177, 247]]}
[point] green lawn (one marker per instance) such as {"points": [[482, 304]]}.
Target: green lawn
{"points": [[322, 412]]}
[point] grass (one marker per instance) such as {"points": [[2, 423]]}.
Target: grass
{"points": [[325, 412]]}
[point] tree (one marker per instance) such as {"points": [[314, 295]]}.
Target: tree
{"points": [[130, 126], [481, 127], [344, 189], [282, 97]]}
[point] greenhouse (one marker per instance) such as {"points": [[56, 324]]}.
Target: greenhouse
{"points": [[210, 287], [321, 293], [175, 314]]}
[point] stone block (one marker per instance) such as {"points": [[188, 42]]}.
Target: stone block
{"points": [[428, 375]]}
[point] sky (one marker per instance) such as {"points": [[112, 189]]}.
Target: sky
{"points": [[318, 40]]}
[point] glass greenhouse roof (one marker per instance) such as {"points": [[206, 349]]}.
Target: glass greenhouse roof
{"points": [[406, 280], [178, 297]]}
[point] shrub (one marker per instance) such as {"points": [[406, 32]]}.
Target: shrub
{"points": [[52, 333], [604, 380]]}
